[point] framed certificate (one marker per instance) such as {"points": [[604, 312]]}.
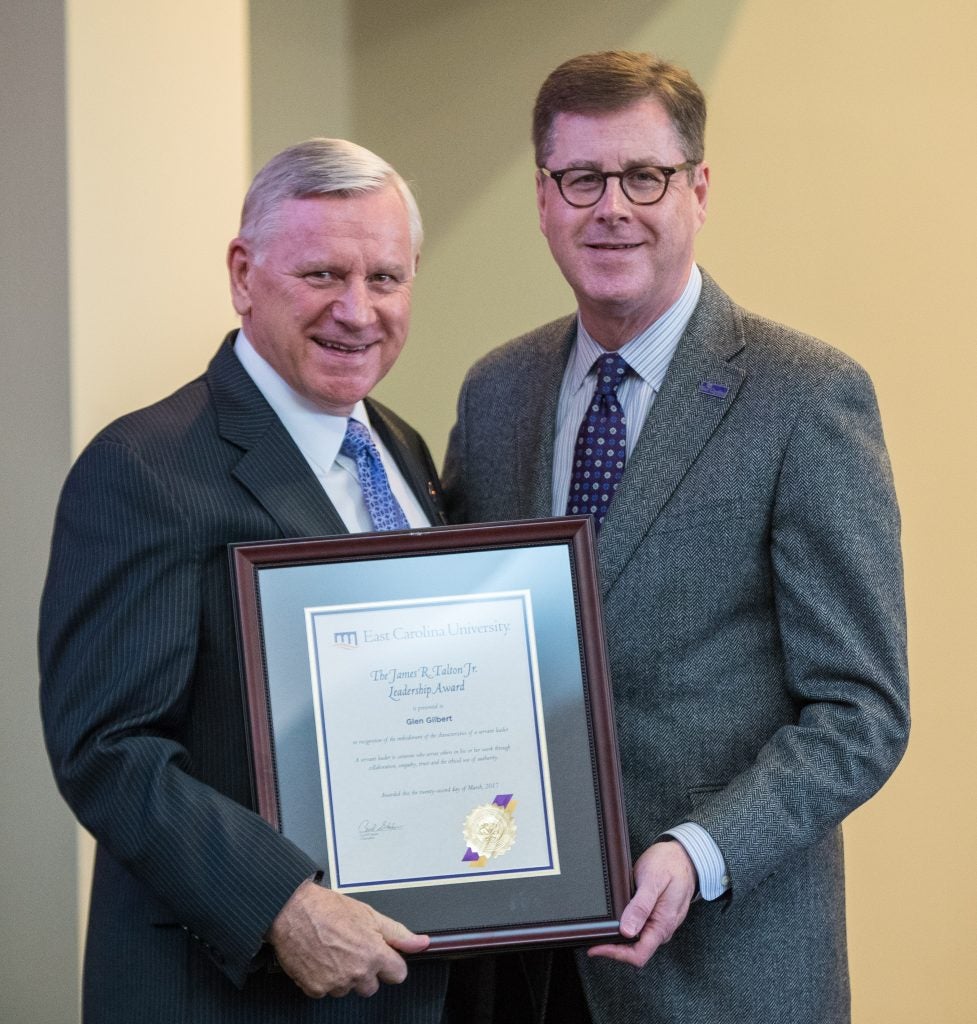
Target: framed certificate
{"points": [[431, 722]]}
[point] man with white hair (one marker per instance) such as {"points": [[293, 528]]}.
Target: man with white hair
{"points": [[196, 900]]}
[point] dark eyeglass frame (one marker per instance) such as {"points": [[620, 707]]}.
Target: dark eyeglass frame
{"points": [[667, 172]]}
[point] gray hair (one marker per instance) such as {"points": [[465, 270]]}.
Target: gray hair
{"points": [[320, 167]]}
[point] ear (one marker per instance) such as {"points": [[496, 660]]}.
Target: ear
{"points": [[541, 199], [239, 263], [701, 189]]}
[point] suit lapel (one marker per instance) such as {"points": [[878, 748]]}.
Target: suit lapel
{"points": [[418, 471], [271, 466], [699, 388], [536, 420]]}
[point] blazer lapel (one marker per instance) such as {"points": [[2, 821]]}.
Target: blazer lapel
{"points": [[418, 471], [536, 420], [698, 390], [271, 466]]}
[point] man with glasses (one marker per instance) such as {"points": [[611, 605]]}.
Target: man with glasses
{"points": [[749, 559]]}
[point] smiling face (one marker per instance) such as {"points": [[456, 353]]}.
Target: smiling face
{"points": [[324, 296], [626, 264]]}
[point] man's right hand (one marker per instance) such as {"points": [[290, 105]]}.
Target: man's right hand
{"points": [[330, 945]]}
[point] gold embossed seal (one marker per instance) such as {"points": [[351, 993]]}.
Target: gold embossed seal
{"points": [[490, 830]]}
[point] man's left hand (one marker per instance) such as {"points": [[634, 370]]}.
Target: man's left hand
{"points": [[665, 882]]}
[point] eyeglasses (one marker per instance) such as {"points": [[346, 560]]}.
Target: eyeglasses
{"points": [[643, 186]]}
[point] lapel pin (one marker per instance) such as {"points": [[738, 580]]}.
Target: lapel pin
{"points": [[713, 390]]}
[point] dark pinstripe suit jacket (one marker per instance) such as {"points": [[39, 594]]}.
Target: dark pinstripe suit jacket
{"points": [[141, 699], [752, 589]]}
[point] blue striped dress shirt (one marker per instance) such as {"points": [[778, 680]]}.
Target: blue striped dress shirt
{"points": [[648, 354]]}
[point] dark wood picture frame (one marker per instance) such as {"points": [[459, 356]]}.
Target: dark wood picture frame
{"points": [[272, 583]]}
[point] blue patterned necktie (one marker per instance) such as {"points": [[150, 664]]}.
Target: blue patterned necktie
{"points": [[598, 458], [385, 512]]}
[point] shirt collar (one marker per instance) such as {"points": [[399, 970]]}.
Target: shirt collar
{"points": [[647, 353], [319, 435]]}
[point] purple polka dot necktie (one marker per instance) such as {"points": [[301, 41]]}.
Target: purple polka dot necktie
{"points": [[385, 512], [598, 458]]}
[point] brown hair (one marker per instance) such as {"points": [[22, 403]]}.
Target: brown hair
{"points": [[600, 83]]}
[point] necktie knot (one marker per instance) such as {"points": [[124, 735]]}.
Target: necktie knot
{"points": [[611, 371], [357, 440], [385, 512]]}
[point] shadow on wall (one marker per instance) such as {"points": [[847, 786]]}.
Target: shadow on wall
{"points": [[473, 70]]}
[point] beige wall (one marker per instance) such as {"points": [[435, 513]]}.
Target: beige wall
{"points": [[158, 158], [843, 154], [301, 54]]}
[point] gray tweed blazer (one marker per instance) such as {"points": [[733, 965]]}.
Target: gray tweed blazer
{"points": [[143, 713], [752, 591]]}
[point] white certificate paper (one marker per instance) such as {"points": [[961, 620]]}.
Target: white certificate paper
{"points": [[432, 748]]}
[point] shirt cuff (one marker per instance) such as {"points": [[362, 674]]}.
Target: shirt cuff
{"points": [[709, 863]]}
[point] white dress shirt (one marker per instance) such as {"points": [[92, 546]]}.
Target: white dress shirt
{"points": [[319, 437]]}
